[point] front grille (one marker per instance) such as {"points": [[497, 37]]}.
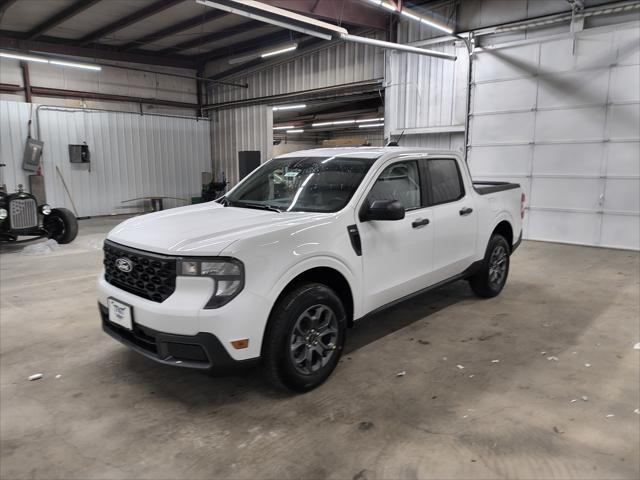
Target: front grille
{"points": [[23, 213], [152, 276]]}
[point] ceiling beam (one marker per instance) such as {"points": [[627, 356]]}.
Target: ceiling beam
{"points": [[50, 45], [135, 17], [352, 12], [60, 17], [212, 37], [173, 29]]}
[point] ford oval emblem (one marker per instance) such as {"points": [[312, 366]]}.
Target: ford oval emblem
{"points": [[124, 265]]}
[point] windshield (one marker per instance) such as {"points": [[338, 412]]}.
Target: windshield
{"points": [[302, 184]]}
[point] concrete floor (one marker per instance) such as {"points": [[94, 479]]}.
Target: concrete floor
{"points": [[113, 414]]}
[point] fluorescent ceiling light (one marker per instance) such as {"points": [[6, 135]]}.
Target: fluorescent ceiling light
{"points": [[321, 124], [343, 122], [279, 51], [287, 127], [371, 125], [297, 130], [289, 107], [75, 65], [404, 12], [26, 58], [243, 58], [377, 2], [388, 6], [370, 120], [266, 13]]}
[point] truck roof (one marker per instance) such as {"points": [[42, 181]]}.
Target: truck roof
{"points": [[364, 152]]}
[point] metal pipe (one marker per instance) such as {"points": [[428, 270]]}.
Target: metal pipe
{"points": [[396, 46], [58, 92], [56, 108]]}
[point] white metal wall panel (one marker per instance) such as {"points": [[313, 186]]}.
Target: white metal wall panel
{"points": [[334, 64], [424, 91], [237, 129], [131, 156], [561, 116]]}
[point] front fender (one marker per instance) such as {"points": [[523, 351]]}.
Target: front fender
{"points": [[319, 261]]}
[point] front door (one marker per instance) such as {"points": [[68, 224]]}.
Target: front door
{"points": [[397, 255]]}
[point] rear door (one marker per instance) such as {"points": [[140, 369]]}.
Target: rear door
{"points": [[397, 255], [455, 219]]}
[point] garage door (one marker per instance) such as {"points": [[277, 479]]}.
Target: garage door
{"points": [[561, 116]]}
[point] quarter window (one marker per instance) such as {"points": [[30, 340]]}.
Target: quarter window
{"points": [[445, 180], [399, 181]]}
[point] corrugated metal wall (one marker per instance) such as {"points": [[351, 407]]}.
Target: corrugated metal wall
{"points": [[237, 129], [131, 156], [331, 64], [250, 128], [424, 92]]}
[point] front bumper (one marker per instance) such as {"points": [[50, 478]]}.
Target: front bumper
{"points": [[202, 351]]}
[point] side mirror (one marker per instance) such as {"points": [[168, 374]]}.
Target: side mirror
{"points": [[383, 210]]}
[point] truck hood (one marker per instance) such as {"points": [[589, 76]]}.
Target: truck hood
{"points": [[205, 229]]}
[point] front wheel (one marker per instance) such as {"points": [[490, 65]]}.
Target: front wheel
{"points": [[305, 338], [61, 225], [492, 276]]}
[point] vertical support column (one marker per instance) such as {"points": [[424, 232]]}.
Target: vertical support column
{"points": [[26, 81]]}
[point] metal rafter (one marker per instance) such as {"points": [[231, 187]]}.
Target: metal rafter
{"points": [[135, 17], [342, 12], [213, 36], [60, 17], [50, 45], [5, 4], [173, 29]]}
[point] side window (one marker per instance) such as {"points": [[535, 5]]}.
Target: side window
{"points": [[399, 181], [445, 180]]}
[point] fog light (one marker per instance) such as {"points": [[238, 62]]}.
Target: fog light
{"points": [[3, 214], [45, 209]]}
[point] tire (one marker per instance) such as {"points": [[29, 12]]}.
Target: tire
{"points": [[296, 355], [492, 276], [61, 225]]}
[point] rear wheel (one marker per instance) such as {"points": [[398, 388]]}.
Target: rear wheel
{"points": [[305, 338], [61, 225], [492, 276]]}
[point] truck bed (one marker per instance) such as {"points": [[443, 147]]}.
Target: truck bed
{"points": [[485, 188]]}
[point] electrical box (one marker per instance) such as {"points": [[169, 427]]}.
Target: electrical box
{"points": [[32, 154], [79, 153]]}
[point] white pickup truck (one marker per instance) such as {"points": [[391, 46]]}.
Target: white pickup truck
{"points": [[276, 271]]}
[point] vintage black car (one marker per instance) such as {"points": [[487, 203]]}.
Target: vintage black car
{"points": [[20, 215]]}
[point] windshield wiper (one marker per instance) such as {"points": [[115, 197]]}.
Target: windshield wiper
{"points": [[258, 206]]}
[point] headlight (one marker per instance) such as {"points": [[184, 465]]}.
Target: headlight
{"points": [[227, 275], [45, 209], [3, 214]]}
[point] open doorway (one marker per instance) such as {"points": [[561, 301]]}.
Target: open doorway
{"points": [[344, 121]]}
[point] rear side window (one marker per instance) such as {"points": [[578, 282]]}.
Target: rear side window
{"points": [[445, 181]]}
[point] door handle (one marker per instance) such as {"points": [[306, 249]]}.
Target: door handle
{"points": [[420, 223], [466, 211]]}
